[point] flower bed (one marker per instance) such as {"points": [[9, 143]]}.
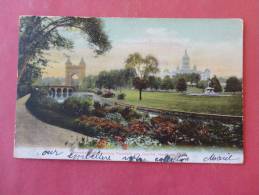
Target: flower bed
{"points": [[125, 127]]}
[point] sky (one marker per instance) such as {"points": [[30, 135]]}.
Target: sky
{"points": [[216, 44]]}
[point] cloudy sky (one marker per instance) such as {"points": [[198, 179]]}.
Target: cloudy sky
{"points": [[214, 44]]}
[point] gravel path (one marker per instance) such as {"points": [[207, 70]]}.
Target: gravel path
{"points": [[34, 133]]}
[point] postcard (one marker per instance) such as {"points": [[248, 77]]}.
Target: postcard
{"points": [[130, 89]]}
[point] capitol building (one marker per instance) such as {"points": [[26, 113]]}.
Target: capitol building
{"points": [[185, 68]]}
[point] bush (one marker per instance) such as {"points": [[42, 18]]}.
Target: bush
{"points": [[108, 94], [97, 105], [181, 85], [77, 105], [121, 96], [43, 101], [99, 92], [130, 114]]}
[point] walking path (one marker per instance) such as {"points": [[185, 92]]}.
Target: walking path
{"points": [[34, 133]]}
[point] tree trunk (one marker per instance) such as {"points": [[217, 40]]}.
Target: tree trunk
{"points": [[140, 94]]}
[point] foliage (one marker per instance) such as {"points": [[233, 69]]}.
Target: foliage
{"points": [[99, 92], [138, 127], [102, 143], [77, 105], [167, 83], [97, 105], [191, 77], [104, 79], [126, 127], [39, 34], [143, 68], [140, 84], [117, 117], [233, 84], [127, 112], [101, 124], [88, 82], [115, 78], [39, 98], [142, 141], [154, 82], [108, 94], [121, 96], [181, 85], [214, 83]]}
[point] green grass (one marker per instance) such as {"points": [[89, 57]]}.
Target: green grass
{"points": [[229, 105]]}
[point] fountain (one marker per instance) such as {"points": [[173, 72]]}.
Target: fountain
{"points": [[209, 91]]}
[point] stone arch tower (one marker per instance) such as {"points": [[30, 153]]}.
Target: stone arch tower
{"points": [[72, 70]]}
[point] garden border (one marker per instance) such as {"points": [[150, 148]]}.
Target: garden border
{"points": [[218, 117]]}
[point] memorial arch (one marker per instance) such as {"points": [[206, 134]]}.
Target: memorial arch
{"points": [[72, 70]]}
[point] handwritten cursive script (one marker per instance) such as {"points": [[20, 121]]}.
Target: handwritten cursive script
{"points": [[179, 157], [90, 155], [134, 158], [219, 157], [51, 153]]}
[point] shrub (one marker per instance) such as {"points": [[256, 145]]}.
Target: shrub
{"points": [[121, 96], [181, 85], [77, 105], [99, 92], [97, 105], [108, 94], [45, 102], [130, 114]]}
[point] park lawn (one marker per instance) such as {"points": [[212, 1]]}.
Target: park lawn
{"points": [[228, 105]]}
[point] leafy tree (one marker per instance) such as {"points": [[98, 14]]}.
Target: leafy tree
{"points": [[154, 82], [195, 78], [105, 79], [38, 34], [89, 82], [214, 83], [143, 68], [129, 75], [233, 84], [181, 85], [140, 84], [115, 78], [118, 78], [189, 77], [167, 83]]}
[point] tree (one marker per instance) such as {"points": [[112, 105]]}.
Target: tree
{"points": [[38, 34], [181, 85], [195, 78], [233, 84], [105, 79], [214, 83], [89, 82], [167, 83], [129, 75], [143, 68], [154, 82]]}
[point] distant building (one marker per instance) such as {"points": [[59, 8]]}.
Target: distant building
{"points": [[71, 70], [185, 68]]}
